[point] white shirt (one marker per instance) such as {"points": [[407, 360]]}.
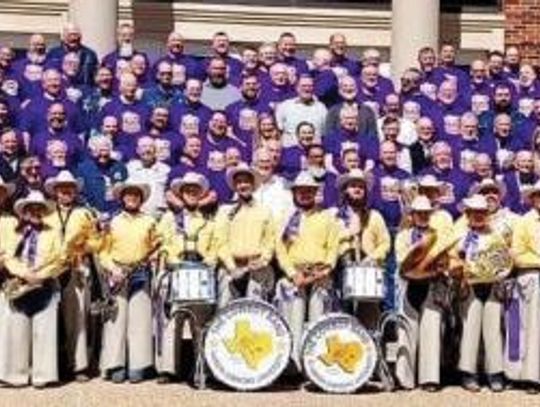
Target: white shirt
{"points": [[156, 177], [275, 195], [291, 112]]}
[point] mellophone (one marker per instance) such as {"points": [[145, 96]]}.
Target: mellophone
{"points": [[248, 343]]}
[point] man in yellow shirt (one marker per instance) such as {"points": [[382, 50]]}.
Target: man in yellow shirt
{"points": [[187, 236], [307, 246], [246, 240], [76, 228], [432, 188], [129, 245], [522, 354], [481, 306], [364, 237], [33, 260], [420, 338]]}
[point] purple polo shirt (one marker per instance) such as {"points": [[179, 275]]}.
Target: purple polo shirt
{"points": [[184, 67], [114, 61], [214, 150], [340, 140], [169, 146], [464, 152], [179, 113], [385, 193], [40, 141], [352, 66], [296, 67], [326, 86], [291, 162], [243, 116], [132, 117]]}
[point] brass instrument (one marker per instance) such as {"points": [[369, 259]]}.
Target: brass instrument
{"points": [[491, 264]]}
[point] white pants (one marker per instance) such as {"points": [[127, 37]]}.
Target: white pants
{"points": [[30, 345], [481, 321], [74, 307], [127, 337], [259, 286], [526, 367], [295, 304], [419, 339]]}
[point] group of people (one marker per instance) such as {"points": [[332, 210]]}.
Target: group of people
{"points": [[279, 173]]}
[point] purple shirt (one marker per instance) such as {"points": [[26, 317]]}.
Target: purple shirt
{"points": [[340, 140], [184, 67], [385, 193], [181, 114], [132, 117], [40, 142], [214, 151], [464, 152], [326, 86], [117, 63]]}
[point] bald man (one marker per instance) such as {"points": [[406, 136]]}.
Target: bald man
{"points": [[326, 80]]}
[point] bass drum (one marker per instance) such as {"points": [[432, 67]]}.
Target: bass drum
{"points": [[248, 345], [338, 354]]}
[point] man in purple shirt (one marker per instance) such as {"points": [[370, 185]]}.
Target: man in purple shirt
{"points": [[447, 69], [29, 69], [168, 143], [218, 140], [325, 80], [131, 113], [183, 66], [221, 48], [33, 118], [57, 130], [278, 88], [340, 60], [370, 89], [287, 54], [192, 108]]}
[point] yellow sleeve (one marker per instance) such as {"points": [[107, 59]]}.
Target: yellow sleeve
{"points": [[282, 253], [209, 244], [268, 240], [222, 239], [56, 260], [332, 246], [380, 237], [402, 245], [165, 230], [523, 255]]}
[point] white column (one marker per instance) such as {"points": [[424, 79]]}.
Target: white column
{"points": [[415, 24], [98, 20]]}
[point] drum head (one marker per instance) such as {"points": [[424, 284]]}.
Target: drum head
{"points": [[338, 354], [248, 345]]}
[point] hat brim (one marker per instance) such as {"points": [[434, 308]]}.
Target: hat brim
{"points": [[178, 184], [51, 184], [21, 205], [120, 189], [344, 179], [478, 189], [9, 188], [234, 172]]}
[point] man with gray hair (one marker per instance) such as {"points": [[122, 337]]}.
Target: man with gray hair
{"points": [[72, 42], [99, 173], [149, 170]]}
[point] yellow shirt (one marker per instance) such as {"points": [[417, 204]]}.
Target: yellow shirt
{"points": [[50, 259], [131, 238], [317, 241], [77, 230], [526, 241], [441, 221], [250, 233], [375, 238], [502, 222], [8, 224], [197, 234]]}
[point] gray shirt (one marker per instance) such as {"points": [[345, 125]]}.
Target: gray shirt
{"points": [[219, 98]]}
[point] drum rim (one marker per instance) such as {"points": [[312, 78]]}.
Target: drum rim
{"points": [[370, 298], [173, 267], [312, 326], [245, 301]]}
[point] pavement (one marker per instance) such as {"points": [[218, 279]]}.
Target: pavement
{"points": [[104, 394]]}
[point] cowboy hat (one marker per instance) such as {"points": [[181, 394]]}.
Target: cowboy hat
{"points": [[8, 187], [189, 178], [241, 168], [33, 198], [421, 203], [121, 187], [64, 177], [474, 203], [488, 184], [528, 190], [430, 181], [306, 180], [353, 175]]}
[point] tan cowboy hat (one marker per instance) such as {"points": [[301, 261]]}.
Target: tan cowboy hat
{"points": [[421, 203], [121, 187], [8, 187], [63, 178], [306, 180], [189, 178], [430, 181], [475, 202], [489, 183], [241, 168], [33, 198], [528, 190], [417, 253], [353, 175]]}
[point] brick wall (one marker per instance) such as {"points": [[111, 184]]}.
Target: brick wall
{"points": [[522, 27]]}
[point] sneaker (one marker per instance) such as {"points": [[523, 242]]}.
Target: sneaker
{"points": [[136, 376], [118, 376], [470, 383], [81, 377]]}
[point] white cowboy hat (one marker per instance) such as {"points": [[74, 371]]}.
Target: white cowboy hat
{"points": [[8, 187], [189, 178], [33, 198], [528, 190], [306, 180], [421, 203], [474, 203], [353, 175], [64, 177], [121, 187], [489, 183], [430, 181], [241, 168]]}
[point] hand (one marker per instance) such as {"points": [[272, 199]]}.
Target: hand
{"points": [[117, 276], [299, 279], [239, 272], [32, 278]]}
